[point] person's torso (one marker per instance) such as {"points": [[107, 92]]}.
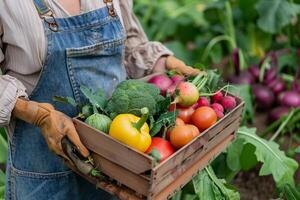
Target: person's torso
{"points": [[24, 37]]}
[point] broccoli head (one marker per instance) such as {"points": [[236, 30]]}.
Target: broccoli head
{"points": [[132, 95]]}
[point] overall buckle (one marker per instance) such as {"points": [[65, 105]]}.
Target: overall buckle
{"points": [[110, 7]]}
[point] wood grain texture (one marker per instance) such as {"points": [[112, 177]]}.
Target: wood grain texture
{"points": [[161, 181], [185, 152], [112, 149], [198, 165]]}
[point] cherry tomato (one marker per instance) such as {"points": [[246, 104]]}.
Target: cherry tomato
{"points": [[195, 130], [204, 117], [181, 135]]}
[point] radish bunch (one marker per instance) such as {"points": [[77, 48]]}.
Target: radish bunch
{"points": [[270, 91]]}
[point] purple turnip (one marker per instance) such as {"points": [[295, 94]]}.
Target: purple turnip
{"points": [[289, 99], [243, 78], [278, 112], [277, 85], [264, 97], [270, 75], [254, 71], [202, 101]]}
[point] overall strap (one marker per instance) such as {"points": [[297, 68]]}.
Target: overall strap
{"points": [[41, 7]]}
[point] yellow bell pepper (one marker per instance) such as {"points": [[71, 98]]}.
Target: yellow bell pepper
{"points": [[132, 130]]}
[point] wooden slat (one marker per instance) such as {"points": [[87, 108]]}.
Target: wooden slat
{"points": [[113, 150], [176, 171], [136, 182], [182, 180], [185, 152]]}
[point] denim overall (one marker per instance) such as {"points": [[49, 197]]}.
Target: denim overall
{"points": [[82, 50]]}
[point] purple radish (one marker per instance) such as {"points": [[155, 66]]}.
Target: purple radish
{"points": [[228, 102], [217, 106], [270, 75], [217, 97], [163, 82], [254, 71], [278, 87], [296, 86], [264, 97], [278, 112], [289, 99], [244, 78]]}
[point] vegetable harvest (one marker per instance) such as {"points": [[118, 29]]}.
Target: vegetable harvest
{"points": [[132, 130]]}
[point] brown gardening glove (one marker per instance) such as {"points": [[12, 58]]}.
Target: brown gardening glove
{"points": [[173, 63], [54, 125]]}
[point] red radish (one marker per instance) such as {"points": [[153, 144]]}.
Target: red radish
{"points": [[217, 107], [177, 79], [228, 102], [217, 97], [202, 101], [264, 97], [188, 94], [289, 99], [219, 114], [277, 113], [163, 82], [160, 149]]}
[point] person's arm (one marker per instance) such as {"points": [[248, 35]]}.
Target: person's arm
{"points": [[142, 56]]}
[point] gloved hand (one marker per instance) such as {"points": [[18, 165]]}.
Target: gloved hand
{"points": [[173, 63], [54, 125]]}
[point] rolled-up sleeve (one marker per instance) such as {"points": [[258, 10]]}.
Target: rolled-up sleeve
{"points": [[10, 90], [140, 53]]}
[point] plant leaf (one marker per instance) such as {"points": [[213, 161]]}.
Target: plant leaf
{"points": [[297, 150], [274, 161], [244, 91], [290, 192], [275, 14], [166, 119], [97, 99], [207, 186], [66, 100]]}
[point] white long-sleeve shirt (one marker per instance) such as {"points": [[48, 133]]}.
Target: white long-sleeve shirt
{"points": [[23, 45]]}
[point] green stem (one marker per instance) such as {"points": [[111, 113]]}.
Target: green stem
{"points": [[95, 110], [282, 126], [230, 25], [143, 119], [264, 66]]}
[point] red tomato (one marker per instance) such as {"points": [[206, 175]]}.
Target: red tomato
{"points": [[160, 149], [195, 130], [204, 117], [181, 135], [177, 123]]}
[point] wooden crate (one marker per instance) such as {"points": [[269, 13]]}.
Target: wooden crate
{"points": [[140, 173]]}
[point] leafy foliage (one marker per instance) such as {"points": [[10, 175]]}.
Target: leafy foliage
{"points": [[207, 186], [274, 161], [275, 14]]}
